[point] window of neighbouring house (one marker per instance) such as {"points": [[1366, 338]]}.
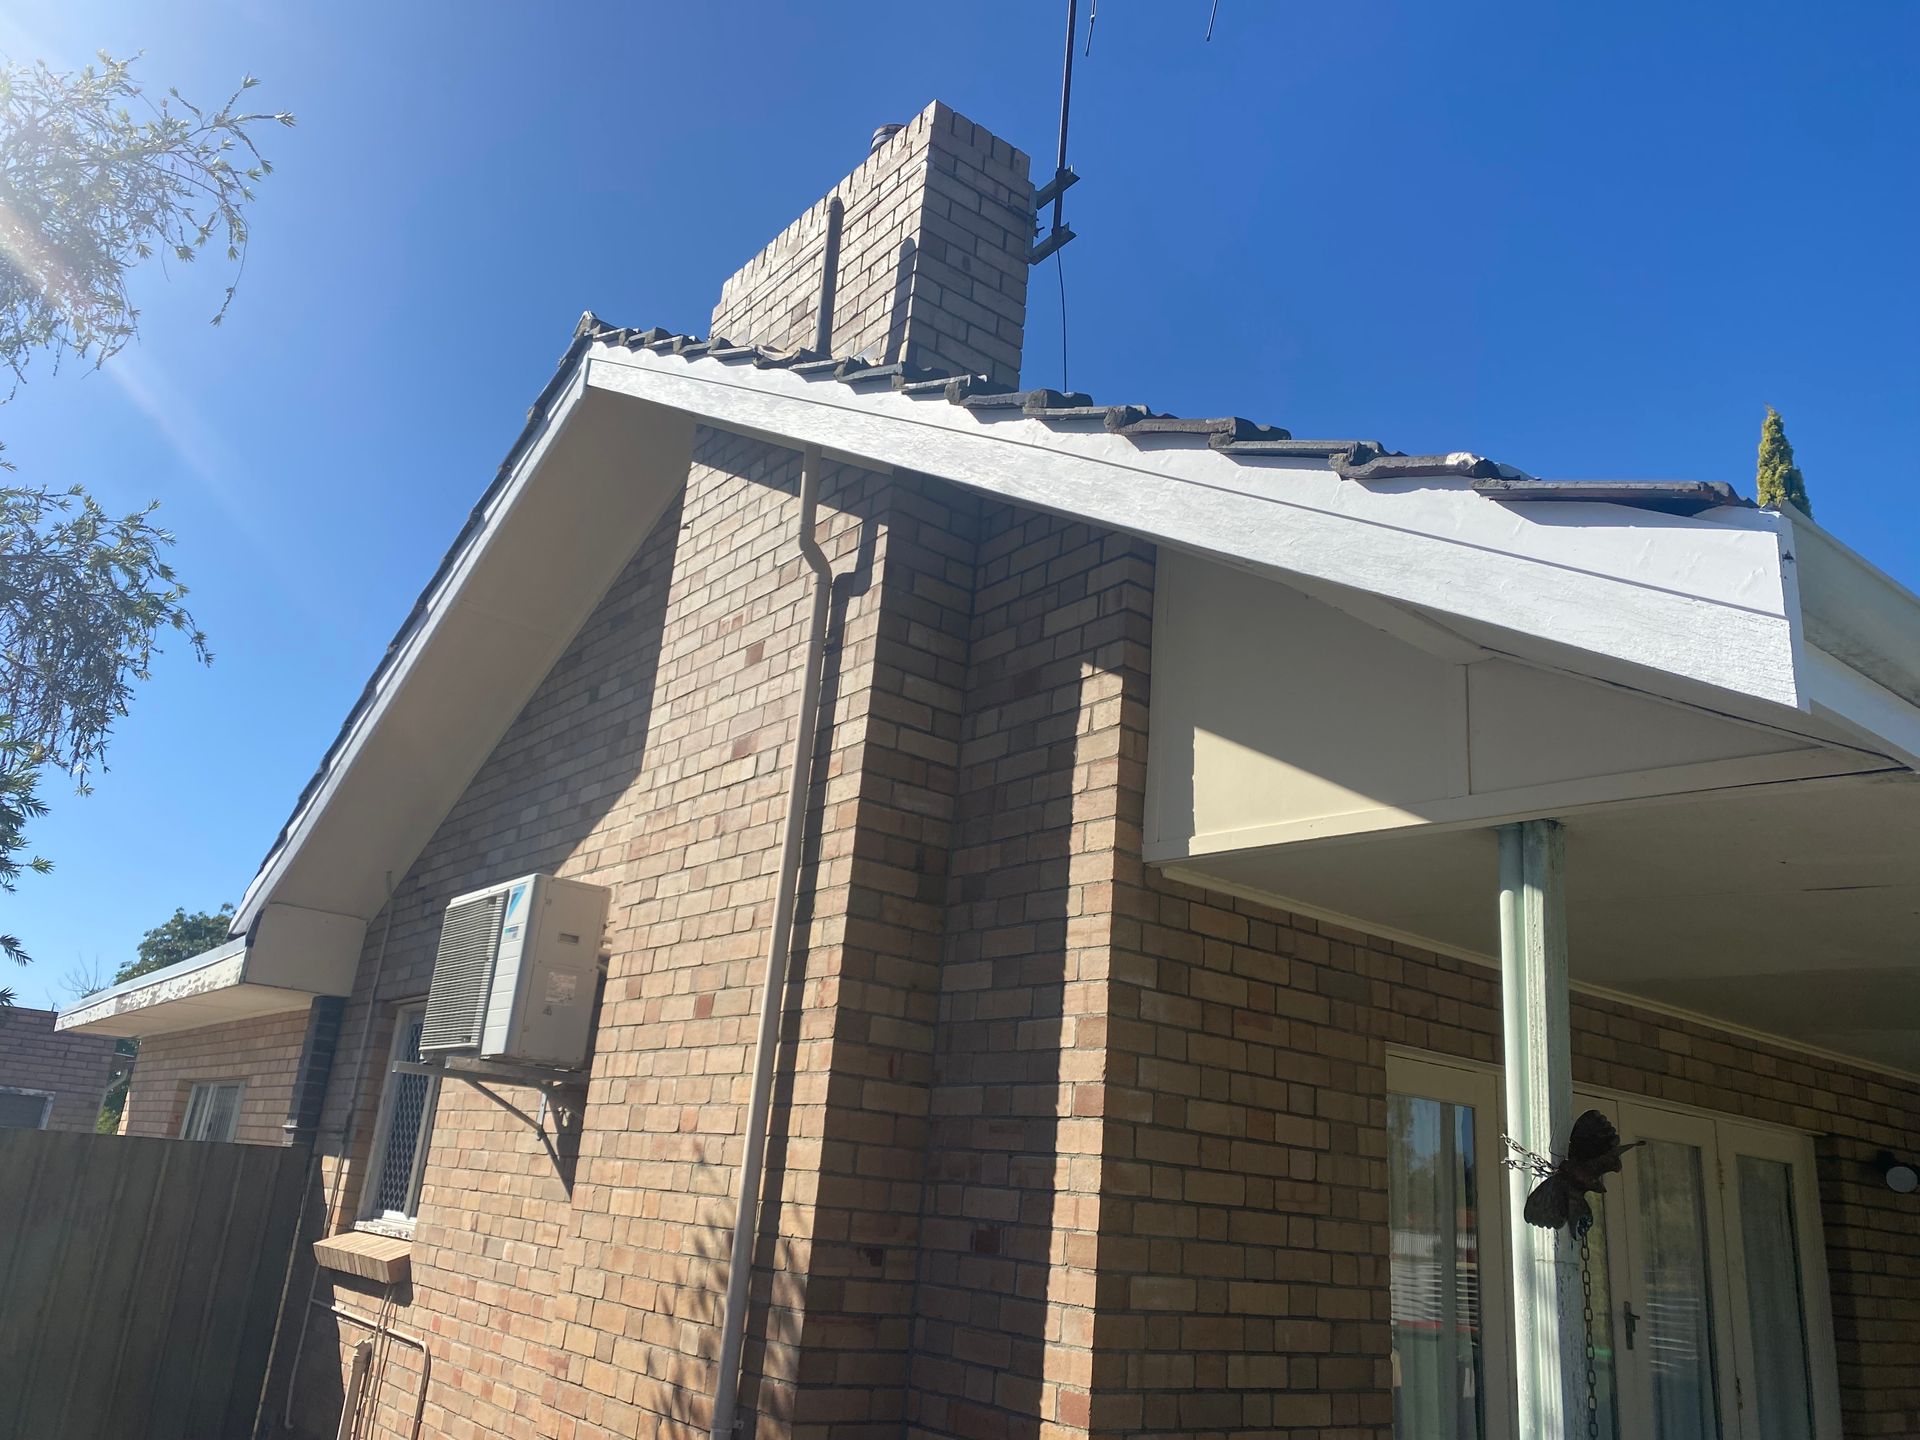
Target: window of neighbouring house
{"points": [[213, 1111], [399, 1155], [24, 1109]]}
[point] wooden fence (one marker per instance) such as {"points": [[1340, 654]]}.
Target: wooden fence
{"points": [[138, 1283]]}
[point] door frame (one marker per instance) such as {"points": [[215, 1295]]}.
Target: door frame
{"points": [[1795, 1150], [1477, 1083], [1637, 1120]]}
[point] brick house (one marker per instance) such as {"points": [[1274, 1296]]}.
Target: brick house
{"points": [[1194, 818], [50, 1081]]}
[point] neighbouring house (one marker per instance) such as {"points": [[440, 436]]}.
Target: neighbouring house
{"points": [[220, 1058], [49, 1080], [1193, 820]]}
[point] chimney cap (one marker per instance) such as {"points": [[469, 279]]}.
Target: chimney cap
{"points": [[882, 135]]}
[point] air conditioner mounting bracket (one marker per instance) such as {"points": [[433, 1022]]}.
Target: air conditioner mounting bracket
{"points": [[496, 1072]]}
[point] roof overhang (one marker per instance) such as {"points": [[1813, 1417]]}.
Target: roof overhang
{"points": [[1747, 613], [1760, 873], [586, 485], [292, 956], [1702, 598], [1787, 910], [1759, 611]]}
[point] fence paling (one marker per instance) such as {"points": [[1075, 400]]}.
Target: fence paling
{"points": [[136, 1276]]}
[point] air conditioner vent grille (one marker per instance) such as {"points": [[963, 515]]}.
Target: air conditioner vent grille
{"points": [[463, 974]]}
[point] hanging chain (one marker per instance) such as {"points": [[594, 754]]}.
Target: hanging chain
{"points": [[1586, 1314], [1521, 1158]]}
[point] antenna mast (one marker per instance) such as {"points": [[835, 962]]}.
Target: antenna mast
{"points": [[1053, 192]]}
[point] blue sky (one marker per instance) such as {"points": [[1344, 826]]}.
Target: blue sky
{"points": [[1591, 242]]}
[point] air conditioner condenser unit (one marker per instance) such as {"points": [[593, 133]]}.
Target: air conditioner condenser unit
{"points": [[516, 973]]}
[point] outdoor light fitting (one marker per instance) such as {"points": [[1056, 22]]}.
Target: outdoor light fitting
{"points": [[1902, 1176]]}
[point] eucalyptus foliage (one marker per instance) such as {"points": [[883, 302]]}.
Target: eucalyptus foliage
{"points": [[95, 179]]}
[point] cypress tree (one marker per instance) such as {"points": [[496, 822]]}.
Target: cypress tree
{"points": [[1778, 478]]}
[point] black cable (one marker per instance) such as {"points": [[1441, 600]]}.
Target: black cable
{"points": [[1060, 270]]}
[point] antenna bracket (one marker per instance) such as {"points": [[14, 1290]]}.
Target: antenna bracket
{"points": [[1063, 180], [1056, 237]]}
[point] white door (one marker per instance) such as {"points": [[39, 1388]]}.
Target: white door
{"points": [[1672, 1358], [1781, 1304], [1710, 1299]]}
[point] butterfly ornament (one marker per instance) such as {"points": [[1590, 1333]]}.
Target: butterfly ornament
{"points": [[1560, 1199]]}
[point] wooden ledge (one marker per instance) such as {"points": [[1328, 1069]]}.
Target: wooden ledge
{"points": [[370, 1256]]}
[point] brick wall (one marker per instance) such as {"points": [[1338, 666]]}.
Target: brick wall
{"points": [[933, 256], [1233, 1059], [1064, 1147], [1008, 1269], [263, 1051], [1244, 1239], [577, 1277], [75, 1068]]}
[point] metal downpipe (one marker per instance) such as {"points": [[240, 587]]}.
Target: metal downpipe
{"points": [[829, 278], [356, 1383], [746, 1224]]}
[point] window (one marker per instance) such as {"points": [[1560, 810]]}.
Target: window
{"points": [[213, 1109], [1447, 1263], [399, 1154], [24, 1109]]}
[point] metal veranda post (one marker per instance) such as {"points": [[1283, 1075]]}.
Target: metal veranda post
{"points": [[1539, 1093]]}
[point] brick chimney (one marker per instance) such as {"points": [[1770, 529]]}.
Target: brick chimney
{"points": [[933, 256]]}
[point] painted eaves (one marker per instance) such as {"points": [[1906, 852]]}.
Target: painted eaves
{"points": [[1683, 587]]}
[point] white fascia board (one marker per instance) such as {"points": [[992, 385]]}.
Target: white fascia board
{"points": [[1881, 720], [217, 969], [1856, 612], [1701, 597], [393, 673], [1860, 655]]}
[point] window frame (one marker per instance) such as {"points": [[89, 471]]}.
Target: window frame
{"points": [[45, 1097], [1437, 1077], [367, 1215], [210, 1088]]}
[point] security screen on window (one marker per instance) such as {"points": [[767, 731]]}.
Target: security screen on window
{"points": [[400, 1137]]}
